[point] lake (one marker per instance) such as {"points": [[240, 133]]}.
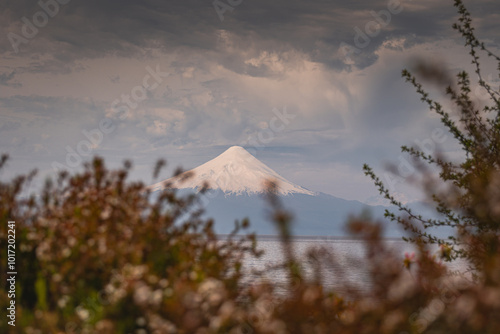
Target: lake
{"points": [[347, 253]]}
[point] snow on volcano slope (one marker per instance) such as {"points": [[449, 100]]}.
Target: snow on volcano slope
{"points": [[234, 172]]}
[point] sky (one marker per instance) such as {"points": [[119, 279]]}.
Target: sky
{"points": [[311, 88]]}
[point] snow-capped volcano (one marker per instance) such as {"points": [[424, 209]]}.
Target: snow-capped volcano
{"points": [[238, 178], [234, 172]]}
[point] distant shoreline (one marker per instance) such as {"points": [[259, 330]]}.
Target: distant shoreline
{"points": [[271, 237]]}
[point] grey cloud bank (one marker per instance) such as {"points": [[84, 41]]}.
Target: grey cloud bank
{"points": [[59, 73]]}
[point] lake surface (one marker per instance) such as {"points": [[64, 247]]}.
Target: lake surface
{"points": [[349, 255]]}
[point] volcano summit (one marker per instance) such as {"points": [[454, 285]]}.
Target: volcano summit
{"points": [[234, 172], [236, 181]]}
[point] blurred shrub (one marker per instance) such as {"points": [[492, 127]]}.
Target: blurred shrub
{"points": [[98, 254], [95, 252]]}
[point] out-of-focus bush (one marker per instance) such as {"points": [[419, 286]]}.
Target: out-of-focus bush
{"points": [[98, 254]]}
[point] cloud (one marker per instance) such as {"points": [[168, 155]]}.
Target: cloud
{"points": [[226, 78], [7, 79], [93, 29]]}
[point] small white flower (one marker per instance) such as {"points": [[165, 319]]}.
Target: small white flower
{"points": [[31, 236], [157, 297], [66, 252], [209, 285], [71, 241], [152, 279], [63, 301], [102, 246], [142, 294], [106, 213], [82, 313], [163, 283]]}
